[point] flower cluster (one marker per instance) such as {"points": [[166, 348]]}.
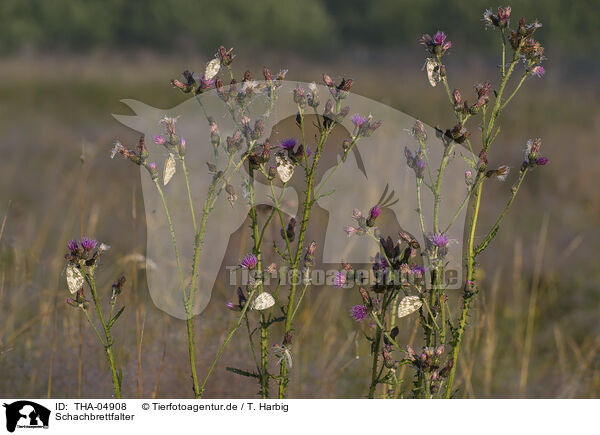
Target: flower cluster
{"points": [[462, 106], [416, 162], [532, 154], [81, 252], [501, 19], [296, 155], [530, 50], [429, 365], [365, 223], [436, 45], [364, 127]]}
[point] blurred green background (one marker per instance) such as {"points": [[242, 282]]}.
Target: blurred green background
{"points": [[64, 66], [310, 26]]}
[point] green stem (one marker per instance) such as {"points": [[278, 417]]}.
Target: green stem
{"points": [[490, 235], [108, 345], [227, 340], [283, 381], [468, 294], [264, 353], [375, 362], [186, 300]]}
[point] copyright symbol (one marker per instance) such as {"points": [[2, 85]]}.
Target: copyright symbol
{"points": [[145, 406]]}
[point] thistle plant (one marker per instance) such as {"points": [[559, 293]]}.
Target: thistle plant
{"points": [[251, 158], [295, 254], [82, 260], [221, 173], [410, 277]]}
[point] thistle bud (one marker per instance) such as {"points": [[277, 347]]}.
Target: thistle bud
{"points": [[231, 192], [456, 98], [373, 215], [309, 257], [267, 74], [300, 96], [387, 358], [500, 174], [327, 80], [153, 170], [313, 96], [241, 297], [225, 56], [439, 350], [289, 233], [365, 297], [483, 159], [117, 287], [212, 168], [259, 129]]}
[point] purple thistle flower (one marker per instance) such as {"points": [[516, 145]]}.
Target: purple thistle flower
{"points": [[88, 244], [438, 44], [73, 246], [159, 140], [339, 279], [439, 239], [358, 120], [288, 144], [358, 313], [375, 212], [249, 261], [538, 70], [230, 306], [418, 271], [380, 262], [205, 84], [421, 165], [152, 166], [439, 38], [542, 161]]}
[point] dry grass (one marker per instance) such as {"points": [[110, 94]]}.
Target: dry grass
{"points": [[533, 333]]}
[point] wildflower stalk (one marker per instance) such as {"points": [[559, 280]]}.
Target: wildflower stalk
{"points": [[264, 351], [186, 299], [490, 235], [375, 361], [225, 342], [107, 342], [295, 262], [472, 252]]}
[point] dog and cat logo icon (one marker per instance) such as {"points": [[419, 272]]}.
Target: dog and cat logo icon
{"points": [[25, 414]]}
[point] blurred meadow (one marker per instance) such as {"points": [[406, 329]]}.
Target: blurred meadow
{"points": [[65, 66]]}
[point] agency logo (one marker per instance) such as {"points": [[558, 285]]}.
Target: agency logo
{"points": [[25, 414]]}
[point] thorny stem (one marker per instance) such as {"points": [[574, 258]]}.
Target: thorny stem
{"points": [[108, 344], [374, 375], [468, 293], [186, 300], [224, 344], [471, 250], [490, 235], [264, 352], [308, 201]]}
